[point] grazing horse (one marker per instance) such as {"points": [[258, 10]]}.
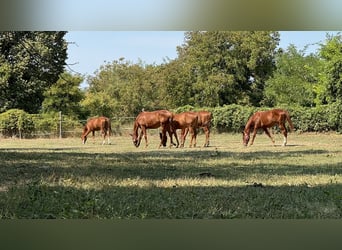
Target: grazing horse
{"points": [[265, 120], [152, 120], [100, 123], [186, 121], [204, 122]]}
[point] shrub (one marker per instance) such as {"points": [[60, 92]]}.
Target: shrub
{"points": [[16, 122], [232, 118]]}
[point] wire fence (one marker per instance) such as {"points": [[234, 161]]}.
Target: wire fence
{"points": [[120, 126], [60, 127]]}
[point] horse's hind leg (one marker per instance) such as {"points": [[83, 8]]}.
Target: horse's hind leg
{"points": [[108, 136], [207, 133], [284, 132], [269, 135], [174, 132]]}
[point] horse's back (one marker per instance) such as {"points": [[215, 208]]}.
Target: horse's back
{"points": [[204, 118], [98, 123], [153, 119], [184, 119]]}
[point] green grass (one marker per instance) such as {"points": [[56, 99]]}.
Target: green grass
{"points": [[61, 178]]}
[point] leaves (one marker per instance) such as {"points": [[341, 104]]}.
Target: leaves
{"points": [[30, 63], [64, 96]]}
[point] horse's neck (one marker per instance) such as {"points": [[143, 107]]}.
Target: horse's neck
{"points": [[248, 126], [86, 131], [135, 128]]}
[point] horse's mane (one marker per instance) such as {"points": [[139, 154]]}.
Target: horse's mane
{"points": [[250, 123], [135, 127]]}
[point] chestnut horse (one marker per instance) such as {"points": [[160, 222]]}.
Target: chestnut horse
{"points": [[100, 123], [186, 121], [265, 120], [152, 120], [204, 122]]}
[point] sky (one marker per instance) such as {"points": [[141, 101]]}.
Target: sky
{"points": [[88, 50]]}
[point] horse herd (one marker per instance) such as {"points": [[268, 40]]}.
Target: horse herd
{"points": [[189, 121]]}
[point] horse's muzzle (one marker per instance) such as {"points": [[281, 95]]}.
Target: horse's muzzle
{"points": [[136, 143]]}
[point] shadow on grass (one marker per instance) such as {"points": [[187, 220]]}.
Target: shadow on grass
{"points": [[34, 167], [45, 202], [22, 166]]}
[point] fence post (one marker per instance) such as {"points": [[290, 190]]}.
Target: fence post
{"points": [[60, 124]]}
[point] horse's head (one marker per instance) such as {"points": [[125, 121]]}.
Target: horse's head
{"points": [[84, 139], [245, 138], [135, 140]]}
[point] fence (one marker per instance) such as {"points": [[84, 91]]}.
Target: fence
{"points": [[119, 125], [61, 126]]}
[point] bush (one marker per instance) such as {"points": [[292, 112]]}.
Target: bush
{"points": [[16, 123], [48, 124], [232, 118]]}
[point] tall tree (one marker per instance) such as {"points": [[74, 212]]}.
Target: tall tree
{"points": [[65, 96], [296, 79], [331, 53], [30, 62], [122, 88], [229, 67]]}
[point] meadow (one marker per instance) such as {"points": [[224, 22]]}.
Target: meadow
{"points": [[62, 178]]}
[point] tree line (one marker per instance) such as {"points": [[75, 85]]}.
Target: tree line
{"points": [[212, 69]]}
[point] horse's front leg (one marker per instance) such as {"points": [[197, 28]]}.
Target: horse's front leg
{"points": [[253, 136], [207, 133], [93, 133], [182, 137], [267, 132], [185, 132], [143, 133], [193, 136]]}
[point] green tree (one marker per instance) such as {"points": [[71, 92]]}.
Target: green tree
{"points": [[30, 62], [296, 79], [65, 96], [123, 88], [175, 87], [331, 53], [228, 67]]}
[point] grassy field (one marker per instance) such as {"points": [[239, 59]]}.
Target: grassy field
{"points": [[61, 178]]}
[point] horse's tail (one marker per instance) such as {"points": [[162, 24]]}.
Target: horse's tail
{"points": [[163, 139], [171, 123], [289, 120]]}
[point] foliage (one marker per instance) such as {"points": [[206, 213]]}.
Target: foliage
{"points": [[294, 80], [30, 62], [16, 122], [331, 52], [228, 67], [47, 124], [231, 118], [64, 96], [212, 69], [124, 89]]}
